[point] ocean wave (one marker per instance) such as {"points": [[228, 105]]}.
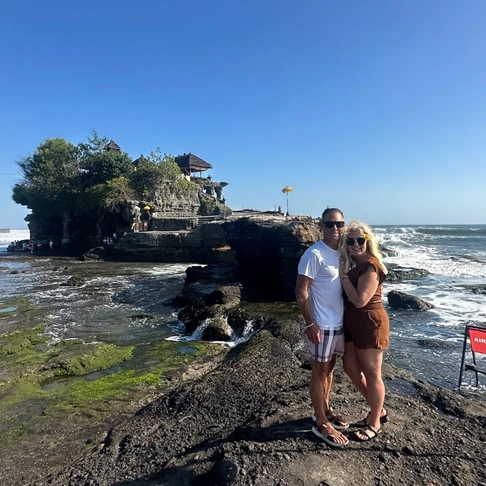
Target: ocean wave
{"points": [[466, 231], [13, 235]]}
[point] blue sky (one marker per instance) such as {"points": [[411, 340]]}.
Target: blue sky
{"points": [[377, 107]]}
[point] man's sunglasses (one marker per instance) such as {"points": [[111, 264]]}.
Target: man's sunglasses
{"points": [[361, 240], [332, 224]]}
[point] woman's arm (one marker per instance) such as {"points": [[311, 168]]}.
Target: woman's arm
{"points": [[367, 284]]}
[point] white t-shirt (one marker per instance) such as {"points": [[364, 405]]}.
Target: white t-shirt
{"points": [[321, 264]]}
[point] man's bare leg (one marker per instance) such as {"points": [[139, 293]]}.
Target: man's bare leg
{"points": [[327, 385], [318, 389], [319, 393]]}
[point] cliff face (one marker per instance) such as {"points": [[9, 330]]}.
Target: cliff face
{"points": [[199, 245], [265, 250], [268, 252], [170, 210]]}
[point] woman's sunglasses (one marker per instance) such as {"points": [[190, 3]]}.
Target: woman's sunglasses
{"points": [[332, 224], [361, 240]]}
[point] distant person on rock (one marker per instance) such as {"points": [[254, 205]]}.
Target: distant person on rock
{"points": [[51, 244], [319, 297], [366, 323]]}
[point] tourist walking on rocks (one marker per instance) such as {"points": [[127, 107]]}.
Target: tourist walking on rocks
{"points": [[366, 323], [319, 297]]}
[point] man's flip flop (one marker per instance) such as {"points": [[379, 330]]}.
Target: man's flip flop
{"points": [[329, 439], [364, 423], [335, 420], [374, 433]]}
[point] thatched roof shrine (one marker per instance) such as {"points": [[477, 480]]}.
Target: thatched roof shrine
{"points": [[112, 146], [139, 161], [192, 163]]}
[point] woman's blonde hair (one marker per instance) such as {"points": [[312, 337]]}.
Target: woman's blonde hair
{"points": [[371, 245]]}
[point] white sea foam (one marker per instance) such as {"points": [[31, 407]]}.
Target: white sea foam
{"points": [[198, 334], [168, 269], [13, 235]]}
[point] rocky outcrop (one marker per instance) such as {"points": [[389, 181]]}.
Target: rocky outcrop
{"points": [[268, 251], [397, 273], [248, 423], [435, 343], [265, 249], [74, 281], [477, 289], [400, 300], [172, 247], [216, 304]]}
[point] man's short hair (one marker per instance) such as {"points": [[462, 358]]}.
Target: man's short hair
{"points": [[329, 210]]}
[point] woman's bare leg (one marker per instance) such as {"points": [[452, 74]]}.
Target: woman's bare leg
{"points": [[352, 368], [370, 361]]}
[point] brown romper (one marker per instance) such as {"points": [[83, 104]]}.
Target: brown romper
{"points": [[367, 327]]}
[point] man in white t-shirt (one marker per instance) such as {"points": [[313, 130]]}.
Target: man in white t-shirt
{"points": [[319, 297]]}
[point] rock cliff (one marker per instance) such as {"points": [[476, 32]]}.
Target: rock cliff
{"points": [[266, 249]]}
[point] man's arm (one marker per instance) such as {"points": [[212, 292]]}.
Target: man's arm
{"points": [[303, 301]]}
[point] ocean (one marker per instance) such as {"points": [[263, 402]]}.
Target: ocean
{"points": [[125, 303]]}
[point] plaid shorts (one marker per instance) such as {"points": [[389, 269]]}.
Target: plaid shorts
{"points": [[332, 343]]}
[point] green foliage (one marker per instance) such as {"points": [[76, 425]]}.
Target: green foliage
{"points": [[146, 178], [118, 192], [207, 207], [158, 169], [91, 200], [93, 146], [105, 166], [48, 182], [61, 179]]}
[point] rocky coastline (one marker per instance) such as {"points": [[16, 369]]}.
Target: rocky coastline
{"points": [[247, 422], [243, 417]]}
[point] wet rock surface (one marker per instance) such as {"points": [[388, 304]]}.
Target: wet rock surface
{"points": [[477, 289], [401, 300], [397, 273], [217, 303], [434, 343], [248, 423], [74, 281]]}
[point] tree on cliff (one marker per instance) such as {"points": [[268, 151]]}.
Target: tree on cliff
{"points": [[48, 185], [99, 165], [158, 170]]}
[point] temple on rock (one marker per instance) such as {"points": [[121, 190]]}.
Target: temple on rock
{"points": [[112, 146], [149, 202], [190, 163]]}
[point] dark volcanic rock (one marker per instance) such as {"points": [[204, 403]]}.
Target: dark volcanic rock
{"points": [[227, 295], [98, 253], [217, 329], [215, 304], [400, 300], [195, 313], [223, 273], [248, 423], [194, 291], [268, 251], [238, 319], [74, 281], [397, 274], [434, 343], [386, 251], [476, 289]]}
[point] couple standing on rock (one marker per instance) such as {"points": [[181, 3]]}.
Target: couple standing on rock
{"points": [[356, 328]]}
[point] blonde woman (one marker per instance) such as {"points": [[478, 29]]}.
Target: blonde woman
{"points": [[366, 325]]}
